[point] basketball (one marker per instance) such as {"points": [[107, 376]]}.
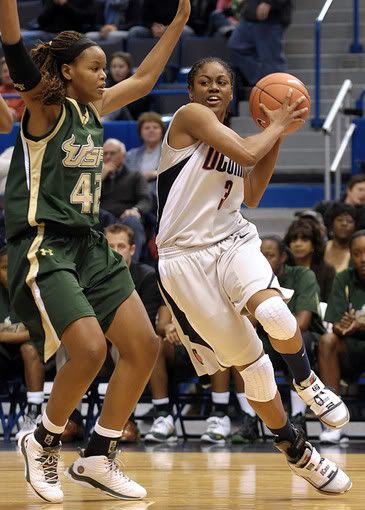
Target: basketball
{"points": [[271, 91]]}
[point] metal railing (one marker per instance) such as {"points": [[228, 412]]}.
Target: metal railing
{"points": [[355, 47], [336, 116]]}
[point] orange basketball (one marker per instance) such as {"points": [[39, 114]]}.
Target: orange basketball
{"points": [[271, 91]]}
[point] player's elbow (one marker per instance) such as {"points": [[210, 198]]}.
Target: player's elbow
{"points": [[250, 158]]}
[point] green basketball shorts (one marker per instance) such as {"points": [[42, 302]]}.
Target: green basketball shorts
{"points": [[57, 277]]}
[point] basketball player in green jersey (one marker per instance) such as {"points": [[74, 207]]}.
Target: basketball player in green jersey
{"points": [[6, 119], [65, 283]]}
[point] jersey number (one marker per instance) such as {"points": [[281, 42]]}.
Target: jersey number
{"points": [[228, 187], [83, 194]]}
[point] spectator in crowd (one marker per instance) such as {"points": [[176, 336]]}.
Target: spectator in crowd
{"points": [[59, 15], [225, 17], [316, 217], [121, 240], [342, 352], [124, 193], [156, 16], [173, 365], [305, 241], [256, 44], [341, 219], [353, 195], [146, 157], [120, 69], [19, 354], [5, 159], [15, 104], [118, 17], [201, 11]]}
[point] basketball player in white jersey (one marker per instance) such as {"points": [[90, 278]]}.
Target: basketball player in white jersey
{"points": [[212, 272]]}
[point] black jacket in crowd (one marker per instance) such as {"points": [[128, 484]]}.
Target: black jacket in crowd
{"points": [[123, 190], [78, 15], [280, 11]]}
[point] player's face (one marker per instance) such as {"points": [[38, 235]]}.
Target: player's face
{"points": [[151, 132], [343, 226], [119, 69], [86, 75], [271, 251], [358, 255], [301, 247], [4, 270], [119, 242], [356, 195], [212, 88]]}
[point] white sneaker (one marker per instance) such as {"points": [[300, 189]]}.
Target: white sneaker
{"points": [[29, 425], [41, 468], [218, 430], [162, 430], [332, 436], [304, 460], [325, 404], [105, 474]]}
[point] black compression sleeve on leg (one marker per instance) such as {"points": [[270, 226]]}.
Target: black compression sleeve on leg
{"points": [[23, 71]]}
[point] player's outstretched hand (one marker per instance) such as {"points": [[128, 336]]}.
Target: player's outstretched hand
{"points": [[287, 113]]}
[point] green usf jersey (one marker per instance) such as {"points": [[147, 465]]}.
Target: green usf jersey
{"points": [[56, 179]]}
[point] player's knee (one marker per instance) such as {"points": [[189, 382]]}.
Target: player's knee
{"points": [[259, 379], [95, 355], [328, 343], [276, 318]]}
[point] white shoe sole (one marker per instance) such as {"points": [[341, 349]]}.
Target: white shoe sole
{"points": [[323, 491], [153, 439], [68, 475]]}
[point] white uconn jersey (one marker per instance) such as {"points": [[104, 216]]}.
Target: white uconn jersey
{"points": [[200, 193]]}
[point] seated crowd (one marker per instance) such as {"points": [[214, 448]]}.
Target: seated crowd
{"points": [[334, 339], [321, 256]]}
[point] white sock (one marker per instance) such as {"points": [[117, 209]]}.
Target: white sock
{"points": [[107, 432], [35, 397], [297, 404], [220, 398], [51, 427], [160, 401], [244, 405]]}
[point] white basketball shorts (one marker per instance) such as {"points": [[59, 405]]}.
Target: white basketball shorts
{"points": [[206, 291]]}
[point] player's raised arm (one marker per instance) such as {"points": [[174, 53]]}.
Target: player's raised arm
{"points": [[25, 75], [23, 71], [150, 69], [6, 119]]}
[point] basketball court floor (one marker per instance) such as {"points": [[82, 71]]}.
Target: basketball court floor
{"points": [[191, 476]]}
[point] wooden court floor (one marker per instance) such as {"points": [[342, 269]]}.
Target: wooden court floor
{"points": [[194, 480]]}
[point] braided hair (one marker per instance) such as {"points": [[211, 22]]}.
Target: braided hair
{"points": [[49, 57]]}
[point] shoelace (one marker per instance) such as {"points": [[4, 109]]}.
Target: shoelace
{"points": [[49, 461], [115, 466]]}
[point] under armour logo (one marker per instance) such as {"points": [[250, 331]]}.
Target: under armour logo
{"points": [[112, 446], [48, 439], [46, 251]]}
